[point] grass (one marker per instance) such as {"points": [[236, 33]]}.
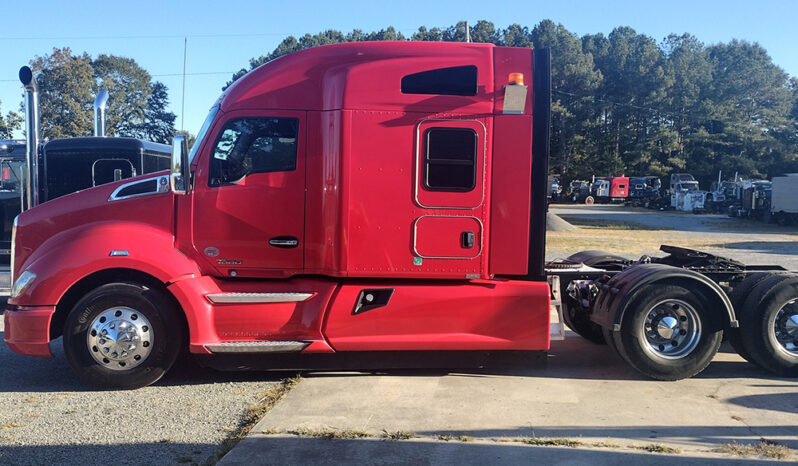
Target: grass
{"points": [[458, 438], [265, 403], [656, 448], [330, 434], [765, 448], [552, 442], [605, 445], [398, 435]]}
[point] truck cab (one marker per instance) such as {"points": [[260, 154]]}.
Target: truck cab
{"points": [[352, 198]]}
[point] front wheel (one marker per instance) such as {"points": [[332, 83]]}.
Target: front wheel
{"points": [[665, 333], [123, 336]]}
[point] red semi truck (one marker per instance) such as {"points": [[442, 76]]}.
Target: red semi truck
{"points": [[348, 205]]}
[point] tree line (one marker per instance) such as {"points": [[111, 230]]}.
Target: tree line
{"points": [[67, 83], [621, 103], [625, 103]]}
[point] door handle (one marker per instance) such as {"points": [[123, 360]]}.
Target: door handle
{"points": [[467, 239], [284, 242]]}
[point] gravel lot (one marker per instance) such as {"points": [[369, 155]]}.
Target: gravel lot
{"points": [[47, 416]]}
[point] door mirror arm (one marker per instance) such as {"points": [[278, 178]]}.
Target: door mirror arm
{"points": [[180, 177]]}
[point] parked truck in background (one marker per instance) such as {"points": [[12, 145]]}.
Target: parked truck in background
{"points": [[752, 199], [64, 166], [357, 205], [784, 199], [609, 190]]}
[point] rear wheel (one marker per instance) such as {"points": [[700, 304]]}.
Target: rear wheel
{"points": [[590, 200], [769, 325], [738, 296], [122, 335], [665, 333]]}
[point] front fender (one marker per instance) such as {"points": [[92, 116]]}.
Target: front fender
{"points": [[78, 252]]}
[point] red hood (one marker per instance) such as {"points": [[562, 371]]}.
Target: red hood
{"points": [[92, 205]]}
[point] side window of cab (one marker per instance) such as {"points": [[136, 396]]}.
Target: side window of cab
{"points": [[247, 146]]}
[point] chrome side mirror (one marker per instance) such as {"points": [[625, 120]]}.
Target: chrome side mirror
{"points": [[180, 178]]}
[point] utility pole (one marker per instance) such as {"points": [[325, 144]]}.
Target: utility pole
{"points": [[183, 104], [468, 32]]}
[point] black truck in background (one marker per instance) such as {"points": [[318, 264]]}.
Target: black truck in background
{"points": [[63, 166]]}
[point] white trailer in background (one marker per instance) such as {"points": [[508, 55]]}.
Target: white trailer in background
{"points": [[784, 202]]}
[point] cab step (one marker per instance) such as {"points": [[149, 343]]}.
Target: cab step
{"points": [[258, 346]]}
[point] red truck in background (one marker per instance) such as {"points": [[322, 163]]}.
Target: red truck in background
{"points": [[606, 190], [367, 200]]}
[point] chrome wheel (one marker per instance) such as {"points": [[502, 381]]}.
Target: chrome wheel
{"points": [[120, 338], [671, 329], [785, 328]]}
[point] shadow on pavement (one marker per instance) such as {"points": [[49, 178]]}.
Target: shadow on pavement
{"points": [[712, 435], [573, 358], [299, 450]]}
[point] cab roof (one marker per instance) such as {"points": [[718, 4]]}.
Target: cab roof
{"points": [[364, 75]]}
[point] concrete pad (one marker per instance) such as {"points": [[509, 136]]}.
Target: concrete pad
{"points": [[584, 394]]}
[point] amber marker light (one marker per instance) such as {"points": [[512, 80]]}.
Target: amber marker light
{"points": [[516, 78]]}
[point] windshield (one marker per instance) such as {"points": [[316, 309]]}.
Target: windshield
{"points": [[202, 133]]}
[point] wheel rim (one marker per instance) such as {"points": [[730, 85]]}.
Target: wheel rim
{"points": [[671, 329], [120, 338], [785, 328]]}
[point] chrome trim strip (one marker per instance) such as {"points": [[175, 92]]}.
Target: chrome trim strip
{"points": [[415, 237], [418, 163], [162, 187], [258, 298], [13, 248], [119, 253], [258, 346]]}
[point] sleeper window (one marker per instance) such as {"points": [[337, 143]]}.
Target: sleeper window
{"points": [[253, 145], [457, 80], [450, 157]]}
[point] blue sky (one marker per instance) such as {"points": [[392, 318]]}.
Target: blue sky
{"points": [[224, 35]]}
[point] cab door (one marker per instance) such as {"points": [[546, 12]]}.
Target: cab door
{"points": [[249, 194]]}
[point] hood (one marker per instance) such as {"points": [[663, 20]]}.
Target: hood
{"points": [[138, 200]]}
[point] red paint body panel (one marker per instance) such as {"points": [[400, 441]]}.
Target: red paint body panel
{"points": [[428, 315], [324, 233], [441, 237], [59, 267], [213, 323], [28, 331], [362, 75], [59, 221], [508, 60], [512, 170]]}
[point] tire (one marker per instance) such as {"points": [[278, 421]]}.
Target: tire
{"points": [[737, 298], [769, 325], [590, 200], [643, 344], [579, 321], [149, 345]]}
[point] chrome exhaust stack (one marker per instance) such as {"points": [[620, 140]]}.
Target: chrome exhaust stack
{"points": [[31, 136], [99, 113]]}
